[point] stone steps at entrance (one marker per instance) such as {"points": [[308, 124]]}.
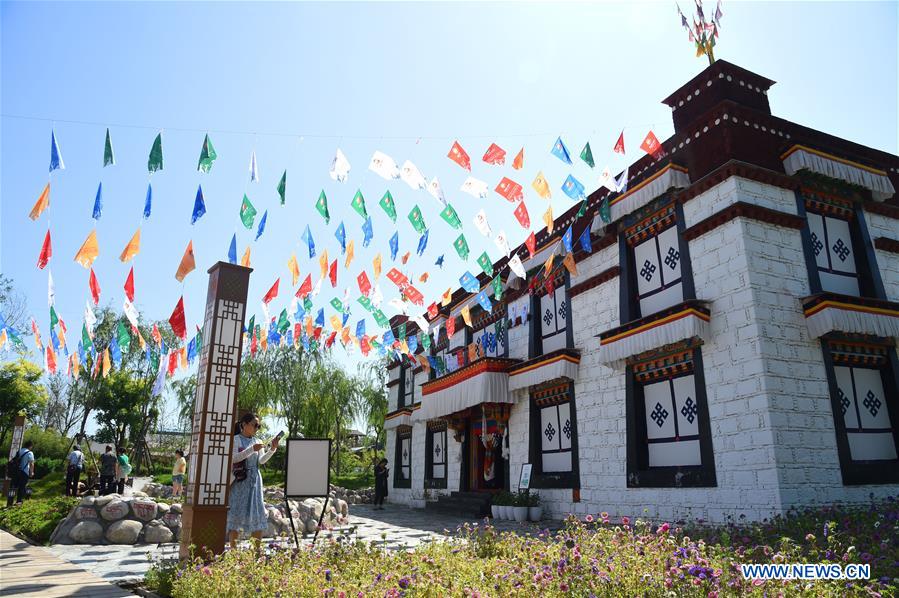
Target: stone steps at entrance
{"points": [[462, 504]]}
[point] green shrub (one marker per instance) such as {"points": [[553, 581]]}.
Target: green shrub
{"points": [[36, 518], [45, 465], [47, 443], [161, 575]]}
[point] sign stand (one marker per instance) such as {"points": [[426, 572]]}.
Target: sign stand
{"points": [[307, 474], [292, 527]]}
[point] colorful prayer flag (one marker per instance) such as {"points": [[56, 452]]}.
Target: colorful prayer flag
{"points": [[417, 220], [502, 242], [484, 302], [108, 156], [568, 262], [129, 285], [42, 203], [340, 167], [497, 286], [436, 191], [245, 258], [567, 239], [282, 188], [350, 252], [495, 155], [94, 286], [412, 176], [199, 206], [486, 264], [364, 283], [521, 214], [548, 219], [154, 162], [465, 312], [573, 188], [541, 186], [474, 187], [177, 320], [587, 155], [322, 206], [188, 264], [619, 145], [247, 212], [384, 166], [340, 235], [480, 222], [272, 292], [46, 251], [376, 265], [509, 189], [148, 202], [518, 162], [468, 282], [254, 168], [332, 273], [261, 228], [560, 151], [394, 245], [207, 155], [132, 248], [531, 244], [652, 146], [55, 157], [88, 251], [450, 216], [306, 287], [232, 250], [586, 245], [294, 268], [310, 243], [459, 156], [358, 204], [98, 203], [388, 205], [461, 246], [422, 242]]}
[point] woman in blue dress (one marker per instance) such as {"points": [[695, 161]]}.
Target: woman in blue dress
{"points": [[246, 509]]}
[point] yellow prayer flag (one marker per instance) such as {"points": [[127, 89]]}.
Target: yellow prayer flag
{"points": [[294, 268], [345, 336], [264, 340], [548, 219], [424, 363], [42, 203], [541, 186], [447, 297], [132, 248], [350, 252], [549, 263], [245, 260], [76, 365], [309, 326], [182, 357], [106, 365], [336, 324], [377, 265], [569, 264], [188, 264], [466, 316], [323, 263], [89, 251], [3, 338]]}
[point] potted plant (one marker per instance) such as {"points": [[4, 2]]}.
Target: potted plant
{"points": [[521, 507], [508, 505], [496, 506], [535, 509]]}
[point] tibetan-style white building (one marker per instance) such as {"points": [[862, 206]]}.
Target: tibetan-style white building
{"points": [[727, 348]]}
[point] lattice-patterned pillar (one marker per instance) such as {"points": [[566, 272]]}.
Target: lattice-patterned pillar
{"points": [[18, 434], [215, 409]]}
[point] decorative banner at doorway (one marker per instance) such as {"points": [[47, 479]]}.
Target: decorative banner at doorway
{"points": [[491, 429]]}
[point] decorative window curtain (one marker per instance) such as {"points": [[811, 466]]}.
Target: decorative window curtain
{"points": [[657, 262], [490, 431], [831, 238], [556, 428], [554, 319]]}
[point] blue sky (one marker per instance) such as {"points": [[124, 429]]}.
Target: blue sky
{"points": [[407, 79]]}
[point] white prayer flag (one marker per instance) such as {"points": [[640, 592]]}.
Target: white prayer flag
{"points": [[51, 289], [254, 170], [377, 297], [516, 266], [412, 176], [130, 312], [384, 166], [480, 221], [89, 318], [268, 317], [422, 323], [318, 287], [398, 305], [502, 242], [621, 183], [608, 181], [436, 192], [340, 167], [474, 187]]}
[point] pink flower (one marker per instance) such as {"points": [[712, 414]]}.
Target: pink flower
{"points": [[207, 571], [563, 586], [589, 518], [663, 529], [625, 520]]}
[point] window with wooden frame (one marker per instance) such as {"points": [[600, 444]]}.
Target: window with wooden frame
{"points": [[553, 437], [863, 390], [402, 473], [406, 390], [435, 448], [668, 432], [491, 334], [550, 328]]}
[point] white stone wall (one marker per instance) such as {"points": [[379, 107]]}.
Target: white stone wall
{"points": [[888, 262], [737, 189]]}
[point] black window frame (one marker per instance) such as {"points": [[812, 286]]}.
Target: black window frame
{"points": [[539, 479], [398, 481], [430, 480], [535, 329]]}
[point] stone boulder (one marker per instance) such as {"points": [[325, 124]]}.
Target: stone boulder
{"points": [[124, 532], [86, 532], [145, 510], [157, 533], [114, 510]]}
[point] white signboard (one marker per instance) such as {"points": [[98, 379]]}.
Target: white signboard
{"points": [[307, 467], [524, 480]]}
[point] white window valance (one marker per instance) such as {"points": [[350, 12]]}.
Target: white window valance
{"points": [[483, 381], [681, 324], [641, 194], [552, 368], [403, 418], [841, 314], [800, 157]]}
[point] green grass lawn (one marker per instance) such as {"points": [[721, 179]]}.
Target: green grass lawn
{"points": [[37, 517]]}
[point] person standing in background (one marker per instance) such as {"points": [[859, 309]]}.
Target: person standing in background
{"points": [[74, 468], [123, 469], [24, 471], [178, 470], [381, 476], [108, 464]]}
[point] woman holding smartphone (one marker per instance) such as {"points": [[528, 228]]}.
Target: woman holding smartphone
{"points": [[246, 511]]}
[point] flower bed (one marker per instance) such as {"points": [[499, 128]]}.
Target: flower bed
{"points": [[591, 557]]}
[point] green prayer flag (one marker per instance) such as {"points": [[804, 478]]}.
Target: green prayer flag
{"points": [[426, 341], [401, 331], [486, 264], [451, 217], [418, 222], [389, 207], [461, 246], [359, 204], [365, 302], [123, 336], [380, 318], [497, 284], [154, 361], [337, 304], [283, 323], [307, 304], [587, 155], [322, 206], [199, 338], [282, 188], [604, 211], [247, 212], [582, 210], [251, 327], [207, 155], [108, 156], [154, 163], [54, 319], [86, 341]]}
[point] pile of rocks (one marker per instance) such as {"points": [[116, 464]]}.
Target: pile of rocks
{"points": [[363, 496], [305, 513], [157, 490], [115, 519]]}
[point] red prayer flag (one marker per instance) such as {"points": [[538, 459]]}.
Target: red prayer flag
{"points": [[619, 145], [51, 359], [450, 326], [272, 292], [129, 288], [46, 252], [173, 362], [363, 344], [433, 310], [518, 162], [521, 213], [550, 287], [306, 287], [252, 343], [414, 295], [179, 327], [397, 278], [155, 334], [459, 156], [652, 146], [531, 244], [364, 284], [317, 333], [330, 339], [332, 273], [509, 189], [405, 257], [495, 155], [95, 287]]}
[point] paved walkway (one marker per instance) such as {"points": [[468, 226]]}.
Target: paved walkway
{"points": [[34, 571]]}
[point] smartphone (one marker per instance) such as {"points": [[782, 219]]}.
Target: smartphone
{"points": [[278, 437]]}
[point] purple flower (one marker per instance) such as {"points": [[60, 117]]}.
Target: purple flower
{"points": [[328, 574], [404, 582]]}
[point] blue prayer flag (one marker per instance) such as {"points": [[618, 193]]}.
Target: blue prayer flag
{"points": [[261, 228], [232, 250], [307, 237], [55, 339], [340, 233], [345, 317], [423, 242], [55, 158], [300, 313], [368, 231], [566, 239], [585, 241], [320, 318], [469, 282], [191, 350], [573, 188], [98, 203], [116, 351], [560, 151], [389, 339], [199, 206], [289, 337], [412, 341], [360, 328], [394, 245], [148, 203], [439, 261], [484, 301]]}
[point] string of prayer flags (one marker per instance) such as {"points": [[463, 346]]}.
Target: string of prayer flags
{"points": [[480, 222], [350, 252], [262, 222], [567, 239], [176, 320], [207, 155], [521, 214], [94, 286], [88, 251], [123, 336], [380, 318], [459, 156], [245, 258], [573, 188], [541, 186], [294, 268], [468, 282], [340, 167], [132, 248], [621, 181], [199, 206], [384, 166], [450, 326], [436, 191], [337, 304], [447, 297], [307, 238], [397, 277], [37, 335], [340, 235], [98, 203], [560, 151], [484, 301], [586, 245], [414, 295], [46, 251], [376, 266], [497, 286], [568, 262], [148, 202], [129, 285], [495, 155], [423, 242], [652, 146], [55, 157], [450, 216], [42, 203], [474, 187], [607, 180], [232, 250], [358, 204], [461, 246], [364, 283], [518, 162], [485, 263], [548, 266], [619, 145], [247, 212], [306, 287], [188, 264], [332, 273], [417, 220], [587, 155], [502, 242], [424, 277], [531, 244], [394, 245], [322, 206], [548, 219], [509, 189], [51, 293], [604, 212], [51, 360], [108, 156], [254, 168], [154, 161], [388, 205], [410, 174]]}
